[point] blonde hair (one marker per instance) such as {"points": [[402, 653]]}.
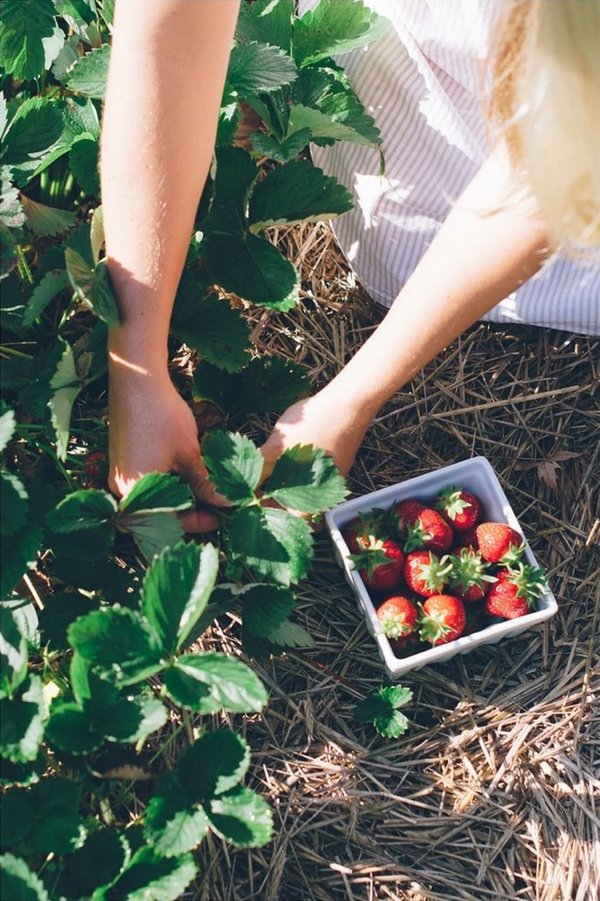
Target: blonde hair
{"points": [[545, 104]]}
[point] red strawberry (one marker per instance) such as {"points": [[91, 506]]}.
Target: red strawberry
{"points": [[460, 507], [496, 539], [425, 573], [429, 530], [380, 564], [361, 530], [444, 619], [407, 512], [469, 578], [397, 617], [515, 592], [96, 468]]}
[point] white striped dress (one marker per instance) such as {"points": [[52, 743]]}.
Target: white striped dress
{"points": [[422, 83]]}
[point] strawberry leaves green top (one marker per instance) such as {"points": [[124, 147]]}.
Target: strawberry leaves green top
{"points": [[306, 479], [202, 792], [235, 464], [176, 591], [382, 709]]}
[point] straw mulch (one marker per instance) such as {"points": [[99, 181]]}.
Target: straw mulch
{"points": [[493, 793]]}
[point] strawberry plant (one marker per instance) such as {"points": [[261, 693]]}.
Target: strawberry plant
{"points": [[102, 601]]}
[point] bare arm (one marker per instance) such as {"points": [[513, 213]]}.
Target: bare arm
{"points": [[168, 66], [486, 248]]}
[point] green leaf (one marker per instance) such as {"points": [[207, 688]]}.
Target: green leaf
{"points": [[381, 709], [123, 716], [35, 128], [334, 28], [93, 286], [322, 125], [231, 683], [265, 385], [157, 492], [24, 25], [174, 828], [88, 75], [45, 220], [282, 151], [83, 160], [296, 192], [60, 610], [265, 607], [148, 876], [69, 729], [235, 174], [396, 695], [242, 817], [176, 591], [290, 635], [391, 724], [51, 284], [258, 69], [13, 653], [87, 545], [66, 385], [251, 267], [11, 210], [229, 121], [275, 543], [306, 479], [341, 105], [46, 817], [152, 532], [97, 862], [22, 722], [278, 640], [14, 503], [24, 547], [118, 642], [211, 326], [7, 425], [235, 464], [267, 21], [8, 252], [17, 881], [213, 764], [82, 510]]}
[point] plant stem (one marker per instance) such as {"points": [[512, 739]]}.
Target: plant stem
{"points": [[24, 270]]}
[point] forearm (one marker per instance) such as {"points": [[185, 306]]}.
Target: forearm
{"points": [[486, 248], [168, 66]]}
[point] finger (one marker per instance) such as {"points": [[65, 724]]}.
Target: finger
{"points": [[195, 521], [196, 474]]}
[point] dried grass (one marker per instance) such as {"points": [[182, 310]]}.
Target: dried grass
{"points": [[493, 794]]}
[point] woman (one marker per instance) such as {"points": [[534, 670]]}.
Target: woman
{"points": [[516, 205]]}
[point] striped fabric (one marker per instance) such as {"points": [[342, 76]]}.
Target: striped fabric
{"points": [[422, 81]]}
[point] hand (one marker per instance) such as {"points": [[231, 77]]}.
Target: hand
{"points": [[325, 421], [152, 429]]}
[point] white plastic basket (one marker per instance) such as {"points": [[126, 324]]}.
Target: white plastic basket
{"points": [[475, 475]]}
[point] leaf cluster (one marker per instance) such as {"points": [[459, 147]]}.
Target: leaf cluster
{"points": [[101, 601]]}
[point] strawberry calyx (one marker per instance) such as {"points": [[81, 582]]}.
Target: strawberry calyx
{"points": [[433, 627], [416, 536], [372, 556], [469, 569], [434, 575], [513, 557], [451, 502], [530, 581], [394, 625]]}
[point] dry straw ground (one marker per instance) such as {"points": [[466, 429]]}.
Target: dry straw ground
{"points": [[493, 794]]}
